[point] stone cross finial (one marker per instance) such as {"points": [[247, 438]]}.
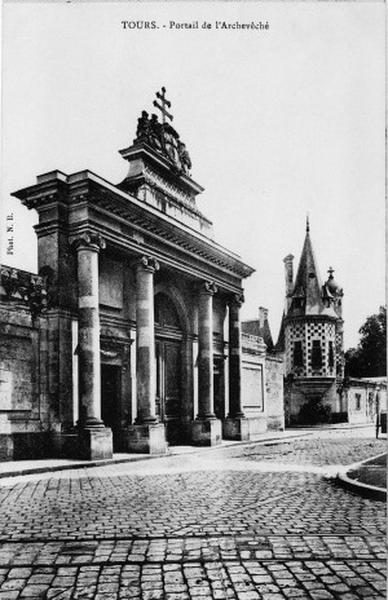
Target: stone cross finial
{"points": [[162, 106]]}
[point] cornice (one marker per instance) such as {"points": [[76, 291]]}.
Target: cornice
{"points": [[308, 318], [143, 151], [188, 263], [150, 225], [99, 195]]}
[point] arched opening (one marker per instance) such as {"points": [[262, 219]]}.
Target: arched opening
{"points": [[168, 356]]}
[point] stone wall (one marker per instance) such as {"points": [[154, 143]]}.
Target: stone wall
{"points": [[253, 382], [355, 401], [274, 392], [24, 416], [309, 401]]}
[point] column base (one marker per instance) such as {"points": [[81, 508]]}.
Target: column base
{"points": [[147, 438], [206, 432], [236, 428], [95, 444]]}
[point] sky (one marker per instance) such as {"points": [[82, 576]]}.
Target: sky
{"points": [[278, 122]]}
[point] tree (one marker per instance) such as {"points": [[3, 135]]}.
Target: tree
{"points": [[370, 356]]}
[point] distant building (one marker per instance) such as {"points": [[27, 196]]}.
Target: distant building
{"points": [[311, 342], [258, 333], [260, 327]]}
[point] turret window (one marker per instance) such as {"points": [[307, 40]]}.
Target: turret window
{"points": [[331, 354], [316, 355], [298, 354]]}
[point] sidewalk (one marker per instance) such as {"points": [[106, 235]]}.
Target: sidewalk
{"points": [[25, 467], [368, 478]]}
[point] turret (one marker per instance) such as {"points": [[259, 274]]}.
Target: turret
{"points": [[333, 292]]}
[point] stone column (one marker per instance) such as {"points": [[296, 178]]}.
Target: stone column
{"points": [[147, 434], [145, 340], [206, 429], [95, 438], [236, 426]]}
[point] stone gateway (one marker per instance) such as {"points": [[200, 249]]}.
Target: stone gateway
{"points": [[133, 323]]}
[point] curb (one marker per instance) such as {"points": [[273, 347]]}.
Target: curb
{"points": [[134, 458], [363, 489], [335, 426]]}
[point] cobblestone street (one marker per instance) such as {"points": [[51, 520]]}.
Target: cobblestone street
{"points": [[243, 522]]}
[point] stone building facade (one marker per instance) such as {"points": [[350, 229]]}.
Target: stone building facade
{"points": [[133, 323], [258, 331]]}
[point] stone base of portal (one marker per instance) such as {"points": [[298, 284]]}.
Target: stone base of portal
{"points": [[95, 443], [236, 428], [149, 438], [206, 432]]}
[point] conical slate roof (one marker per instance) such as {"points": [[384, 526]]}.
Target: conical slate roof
{"points": [[307, 292], [281, 343]]}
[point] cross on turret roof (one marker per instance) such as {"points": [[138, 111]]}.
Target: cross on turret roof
{"points": [[162, 106]]}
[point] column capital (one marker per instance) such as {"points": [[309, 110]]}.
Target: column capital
{"points": [[89, 241], [207, 288], [148, 263], [237, 300]]}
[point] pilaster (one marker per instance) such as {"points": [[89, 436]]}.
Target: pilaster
{"points": [[236, 425]]}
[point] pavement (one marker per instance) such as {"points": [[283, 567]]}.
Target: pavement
{"points": [[23, 467], [265, 520]]}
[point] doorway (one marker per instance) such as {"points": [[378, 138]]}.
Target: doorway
{"points": [[168, 356], [168, 388], [110, 399], [219, 387]]}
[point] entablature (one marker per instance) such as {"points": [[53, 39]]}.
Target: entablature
{"points": [[93, 204]]}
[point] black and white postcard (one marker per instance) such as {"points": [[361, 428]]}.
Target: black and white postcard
{"points": [[192, 322]]}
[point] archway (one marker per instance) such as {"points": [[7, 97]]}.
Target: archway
{"points": [[168, 356]]}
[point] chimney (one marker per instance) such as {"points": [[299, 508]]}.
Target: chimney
{"points": [[263, 316], [289, 274], [264, 328]]}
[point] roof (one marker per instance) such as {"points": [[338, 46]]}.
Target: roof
{"points": [[254, 327], [281, 343], [307, 289]]}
